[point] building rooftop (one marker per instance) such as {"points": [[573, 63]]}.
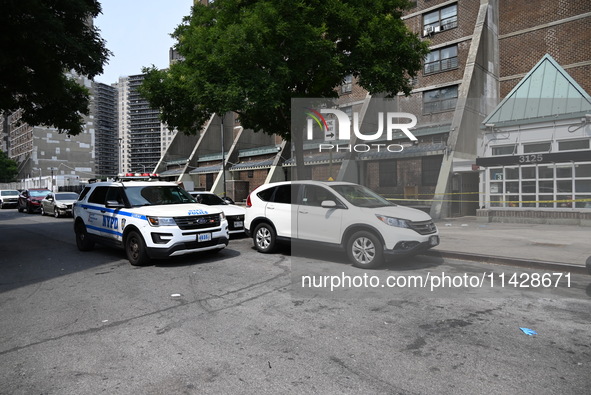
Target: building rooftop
{"points": [[546, 92]]}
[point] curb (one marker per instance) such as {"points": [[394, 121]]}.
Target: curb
{"points": [[498, 260]]}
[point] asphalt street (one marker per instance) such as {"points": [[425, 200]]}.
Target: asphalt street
{"points": [[297, 321]]}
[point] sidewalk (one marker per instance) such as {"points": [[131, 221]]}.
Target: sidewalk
{"points": [[552, 247]]}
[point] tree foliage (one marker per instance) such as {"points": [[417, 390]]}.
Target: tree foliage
{"points": [[253, 56], [39, 41], [8, 168]]}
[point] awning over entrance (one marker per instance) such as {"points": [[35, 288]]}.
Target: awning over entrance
{"points": [[169, 173], [407, 152], [253, 165], [206, 169], [318, 159]]}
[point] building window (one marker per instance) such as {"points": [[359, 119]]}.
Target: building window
{"points": [[439, 100], [441, 60], [561, 185], [572, 145], [505, 150], [430, 166], [250, 173], [436, 139], [536, 147], [442, 19], [388, 173], [347, 85]]}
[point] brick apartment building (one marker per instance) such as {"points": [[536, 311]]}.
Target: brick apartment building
{"points": [[480, 50], [530, 29]]}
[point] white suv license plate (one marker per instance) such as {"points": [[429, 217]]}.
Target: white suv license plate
{"points": [[238, 224], [204, 237], [433, 241]]}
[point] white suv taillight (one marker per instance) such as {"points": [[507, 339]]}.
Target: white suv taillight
{"points": [[248, 202]]}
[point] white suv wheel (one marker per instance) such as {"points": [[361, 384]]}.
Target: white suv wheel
{"points": [[264, 238], [365, 250]]}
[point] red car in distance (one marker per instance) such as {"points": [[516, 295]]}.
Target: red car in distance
{"points": [[30, 200]]}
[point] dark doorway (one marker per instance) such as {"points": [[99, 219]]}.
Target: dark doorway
{"points": [[208, 181], [464, 194]]}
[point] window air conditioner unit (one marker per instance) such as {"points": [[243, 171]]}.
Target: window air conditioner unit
{"points": [[428, 31], [448, 26]]}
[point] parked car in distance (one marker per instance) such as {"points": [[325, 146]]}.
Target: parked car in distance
{"points": [[8, 198], [337, 214], [30, 200], [58, 204], [234, 214]]}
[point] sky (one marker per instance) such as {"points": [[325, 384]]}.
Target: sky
{"points": [[138, 34]]}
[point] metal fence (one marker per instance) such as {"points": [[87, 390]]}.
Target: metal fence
{"points": [[57, 183]]}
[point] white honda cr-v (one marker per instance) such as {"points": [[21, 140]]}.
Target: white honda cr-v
{"points": [[341, 214]]}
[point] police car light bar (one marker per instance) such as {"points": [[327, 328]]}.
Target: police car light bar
{"points": [[137, 176]]}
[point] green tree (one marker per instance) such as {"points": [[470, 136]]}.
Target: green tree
{"points": [[253, 57], [39, 41], [8, 168]]}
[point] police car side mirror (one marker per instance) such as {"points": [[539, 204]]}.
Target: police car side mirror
{"points": [[114, 204]]}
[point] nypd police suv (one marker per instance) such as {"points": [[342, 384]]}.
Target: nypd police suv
{"points": [[149, 219]]}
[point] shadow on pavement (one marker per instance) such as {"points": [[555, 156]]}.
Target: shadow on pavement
{"points": [[40, 251]]}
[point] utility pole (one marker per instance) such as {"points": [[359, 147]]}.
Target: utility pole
{"points": [[223, 157]]}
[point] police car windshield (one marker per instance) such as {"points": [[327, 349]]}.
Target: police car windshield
{"points": [[157, 195]]}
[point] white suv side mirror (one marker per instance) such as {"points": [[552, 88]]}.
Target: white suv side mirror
{"points": [[328, 204]]}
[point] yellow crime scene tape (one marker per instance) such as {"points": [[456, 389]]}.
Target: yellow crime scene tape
{"points": [[492, 201], [478, 201]]}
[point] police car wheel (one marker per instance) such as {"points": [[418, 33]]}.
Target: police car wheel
{"points": [[135, 248], [83, 242]]}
